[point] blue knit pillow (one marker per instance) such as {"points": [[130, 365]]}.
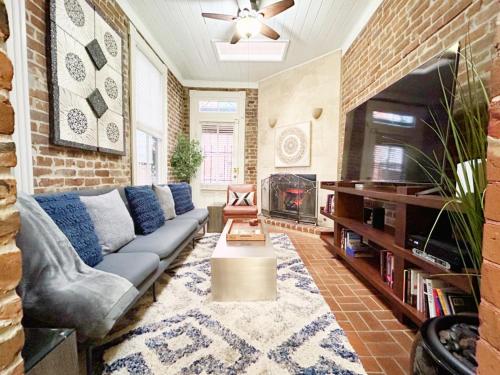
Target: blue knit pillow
{"points": [[145, 209], [182, 197], [71, 216]]}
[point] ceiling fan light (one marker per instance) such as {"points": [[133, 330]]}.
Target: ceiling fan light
{"points": [[248, 26]]}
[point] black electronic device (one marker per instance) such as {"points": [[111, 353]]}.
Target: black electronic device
{"points": [[442, 252]]}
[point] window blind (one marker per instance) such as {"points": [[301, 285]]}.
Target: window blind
{"points": [[217, 141]]}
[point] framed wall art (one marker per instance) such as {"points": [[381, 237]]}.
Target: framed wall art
{"points": [[85, 79], [293, 145]]}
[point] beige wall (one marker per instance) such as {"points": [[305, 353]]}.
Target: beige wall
{"points": [[290, 97]]}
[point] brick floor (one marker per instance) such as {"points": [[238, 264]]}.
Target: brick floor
{"points": [[382, 343]]}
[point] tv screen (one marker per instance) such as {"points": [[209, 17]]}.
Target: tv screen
{"points": [[381, 133]]}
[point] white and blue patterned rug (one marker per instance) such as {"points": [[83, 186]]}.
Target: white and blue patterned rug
{"points": [[185, 332]]}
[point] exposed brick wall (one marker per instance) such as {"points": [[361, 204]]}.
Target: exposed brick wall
{"points": [[64, 168], [251, 120], [488, 350], [176, 118], [11, 331], [402, 35]]}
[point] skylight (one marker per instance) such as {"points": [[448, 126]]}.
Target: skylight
{"points": [[252, 50]]}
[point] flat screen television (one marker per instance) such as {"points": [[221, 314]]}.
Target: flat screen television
{"points": [[380, 133]]}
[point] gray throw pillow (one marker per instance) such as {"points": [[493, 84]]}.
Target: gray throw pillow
{"points": [[166, 199], [113, 224]]}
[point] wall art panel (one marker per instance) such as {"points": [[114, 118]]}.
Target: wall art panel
{"points": [[293, 145]]}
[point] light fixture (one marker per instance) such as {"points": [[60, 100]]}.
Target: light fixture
{"points": [[249, 23], [316, 113], [272, 122]]}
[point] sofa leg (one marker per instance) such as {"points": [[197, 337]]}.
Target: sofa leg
{"points": [[89, 360], [153, 288]]}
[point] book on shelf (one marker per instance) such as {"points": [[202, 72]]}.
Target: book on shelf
{"points": [[330, 202], [352, 245], [434, 297], [387, 267]]}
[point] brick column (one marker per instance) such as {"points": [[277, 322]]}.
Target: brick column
{"points": [[488, 350], [11, 331]]}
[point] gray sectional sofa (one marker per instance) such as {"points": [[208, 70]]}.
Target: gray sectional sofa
{"points": [[144, 259]]}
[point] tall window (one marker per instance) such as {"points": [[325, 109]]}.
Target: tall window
{"points": [[149, 87], [217, 144]]}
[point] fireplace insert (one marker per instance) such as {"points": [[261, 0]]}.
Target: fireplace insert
{"points": [[290, 196]]}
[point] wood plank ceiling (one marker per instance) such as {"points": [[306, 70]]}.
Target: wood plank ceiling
{"points": [[313, 27]]}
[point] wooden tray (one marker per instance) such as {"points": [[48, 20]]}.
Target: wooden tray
{"points": [[241, 230]]}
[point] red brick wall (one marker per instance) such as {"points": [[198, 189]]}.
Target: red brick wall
{"points": [[402, 35], [64, 168], [252, 102], [176, 118], [488, 350], [12, 335]]}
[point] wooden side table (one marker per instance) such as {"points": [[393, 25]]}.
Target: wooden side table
{"points": [[50, 351], [215, 218]]}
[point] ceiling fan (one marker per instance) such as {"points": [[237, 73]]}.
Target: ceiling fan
{"points": [[249, 20]]}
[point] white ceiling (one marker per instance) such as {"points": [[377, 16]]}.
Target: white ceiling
{"points": [[313, 27]]}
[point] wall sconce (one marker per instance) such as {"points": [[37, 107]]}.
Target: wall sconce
{"points": [[272, 122], [316, 113]]}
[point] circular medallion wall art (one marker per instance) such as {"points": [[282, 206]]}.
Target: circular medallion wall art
{"points": [[292, 145]]}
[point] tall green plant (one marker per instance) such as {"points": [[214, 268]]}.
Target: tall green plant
{"points": [[465, 141], [186, 159]]}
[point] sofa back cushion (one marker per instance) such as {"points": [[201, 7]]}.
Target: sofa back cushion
{"points": [[183, 197], [166, 200], [144, 208], [113, 224], [71, 216]]}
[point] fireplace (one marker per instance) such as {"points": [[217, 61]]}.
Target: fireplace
{"points": [[290, 196]]}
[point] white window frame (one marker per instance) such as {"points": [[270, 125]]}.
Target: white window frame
{"points": [[196, 117], [17, 51], [138, 43]]}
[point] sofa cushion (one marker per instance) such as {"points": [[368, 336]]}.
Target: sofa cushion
{"points": [[144, 208], [134, 267], [166, 200], [199, 214], [182, 197], [165, 240], [113, 225], [240, 210], [71, 216]]}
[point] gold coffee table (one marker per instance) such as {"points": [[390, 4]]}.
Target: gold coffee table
{"points": [[243, 270]]}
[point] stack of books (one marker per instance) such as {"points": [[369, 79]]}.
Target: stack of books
{"points": [[387, 267], [434, 297], [329, 207], [352, 245]]}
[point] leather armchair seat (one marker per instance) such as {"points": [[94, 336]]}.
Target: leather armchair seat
{"points": [[240, 212]]}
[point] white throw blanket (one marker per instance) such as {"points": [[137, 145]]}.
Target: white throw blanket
{"points": [[57, 287]]}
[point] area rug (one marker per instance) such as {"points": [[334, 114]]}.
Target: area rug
{"points": [[185, 332]]}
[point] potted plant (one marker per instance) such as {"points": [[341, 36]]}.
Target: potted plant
{"points": [[446, 344], [186, 159]]}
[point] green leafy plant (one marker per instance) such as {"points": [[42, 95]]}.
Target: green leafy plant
{"points": [[465, 141], [186, 159]]}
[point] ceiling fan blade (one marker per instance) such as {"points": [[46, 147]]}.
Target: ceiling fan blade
{"points": [[269, 32], [236, 38], [276, 8], [217, 16]]}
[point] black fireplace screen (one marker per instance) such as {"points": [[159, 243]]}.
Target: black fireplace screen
{"points": [[290, 196]]}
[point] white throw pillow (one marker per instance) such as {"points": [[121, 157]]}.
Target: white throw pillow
{"points": [[241, 199], [166, 199], [112, 221]]}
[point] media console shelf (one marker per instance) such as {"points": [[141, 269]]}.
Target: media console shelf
{"points": [[414, 214]]}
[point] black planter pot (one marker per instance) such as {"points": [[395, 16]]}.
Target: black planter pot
{"points": [[430, 357]]}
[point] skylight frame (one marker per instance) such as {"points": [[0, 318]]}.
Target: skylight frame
{"points": [[265, 58]]}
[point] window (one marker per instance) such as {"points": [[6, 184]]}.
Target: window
{"points": [[217, 106], [148, 100], [217, 145], [388, 162]]}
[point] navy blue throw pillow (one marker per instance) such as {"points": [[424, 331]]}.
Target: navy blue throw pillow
{"points": [[183, 198], [145, 209], [71, 216]]}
